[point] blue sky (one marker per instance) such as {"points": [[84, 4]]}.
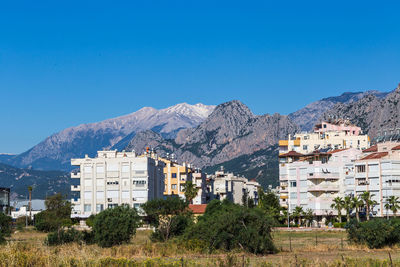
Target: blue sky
{"points": [[62, 64]]}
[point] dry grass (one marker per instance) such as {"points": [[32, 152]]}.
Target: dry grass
{"points": [[27, 249]]}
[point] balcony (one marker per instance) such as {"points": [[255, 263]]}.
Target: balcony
{"points": [[75, 188], [283, 197], [75, 201], [75, 175], [323, 176], [324, 188], [284, 184]]}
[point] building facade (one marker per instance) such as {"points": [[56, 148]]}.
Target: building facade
{"points": [[377, 171], [176, 176], [5, 200], [338, 134], [313, 180], [222, 185], [114, 178]]}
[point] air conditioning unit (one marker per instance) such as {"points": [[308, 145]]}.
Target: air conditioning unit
{"points": [[133, 199], [109, 199]]}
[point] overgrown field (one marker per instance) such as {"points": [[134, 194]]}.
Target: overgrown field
{"points": [[28, 249]]}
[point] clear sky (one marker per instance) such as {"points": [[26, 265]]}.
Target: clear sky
{"points": [[63, 64]]}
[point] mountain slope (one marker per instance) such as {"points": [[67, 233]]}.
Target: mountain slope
{"points": [[56, 151], [308, 116], [43, 182], [371, 113], [230, 131]]}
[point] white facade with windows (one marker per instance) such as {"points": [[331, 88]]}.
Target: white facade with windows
{"points": [[114, 178]]}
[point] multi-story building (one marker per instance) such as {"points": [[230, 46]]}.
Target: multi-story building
{"points": [[114, 178], [229, 186], [338, 134], [377, 171], [313, 180], [176, 176], [199, 179]]}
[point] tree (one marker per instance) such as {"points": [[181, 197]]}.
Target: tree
{"points": [[357, 204], [368, 202], [230, 226], [30, 188], [338, 205], [308, 215], [297, 213], [347, 206], [191, 191], [269, 202], [57, 214], [115, 226], [169, 216], [393, 204], [5, 226]]}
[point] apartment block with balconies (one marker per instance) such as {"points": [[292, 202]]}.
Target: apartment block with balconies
{"points": [[113, 178]]}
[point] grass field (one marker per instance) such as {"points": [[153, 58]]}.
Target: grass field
{"points": [[308, 248]]}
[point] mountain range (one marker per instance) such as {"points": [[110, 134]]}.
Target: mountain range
{"points": [[209, 137]]}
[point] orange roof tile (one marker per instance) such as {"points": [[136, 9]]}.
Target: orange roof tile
{"points": [[337, 150], [371, 149], [291, 154], [198, 209], [376, 155], [396, 147]]}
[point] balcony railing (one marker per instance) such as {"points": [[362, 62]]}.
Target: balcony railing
{"points": [[75, 175], [75, 201], [324, 188], [323, 176], [75, 188]]}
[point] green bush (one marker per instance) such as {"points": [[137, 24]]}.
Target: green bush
{"points": [[339, 225], [115, 226], [5, 227], [68, 236], [169, 216], [376, 233], [229, 226], [56, 215]]}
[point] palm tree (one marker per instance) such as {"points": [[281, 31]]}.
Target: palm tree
{"points": [[338, 204], [297, 213], [357, 205], [190, 190], [30, 188], [368, 202], [309, 216], [348, 206], [393, 204]]}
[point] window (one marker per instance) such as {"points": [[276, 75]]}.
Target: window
{"points": [[112, 193], [88, 182], [173, 186], [88, 169], [324, 125], [125, 168], [305, 147], [293, 183], [100, 169], [293, 195], [139, 183], [112, 167], [125, 194], [110, 206], [99, 207], [360, 168], [113, 183], [100, 182], [88, 194], [173, 175], [100, 195], [87, 208]]}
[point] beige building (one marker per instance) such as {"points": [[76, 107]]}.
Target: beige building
{"points": [[326, 135], [176, 176]]}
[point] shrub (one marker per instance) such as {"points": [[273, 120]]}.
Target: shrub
{"points": [[339, 225], [115, 226], [63, 236], [229, 226], [5, 226], [20, 222], [56, 215], [375, 233], [169, 216]]}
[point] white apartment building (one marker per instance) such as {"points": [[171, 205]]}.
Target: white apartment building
{"points": [[338, 134], [312, 181], [199, 179], [377, 171], [229, 186], [114, 178]]}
